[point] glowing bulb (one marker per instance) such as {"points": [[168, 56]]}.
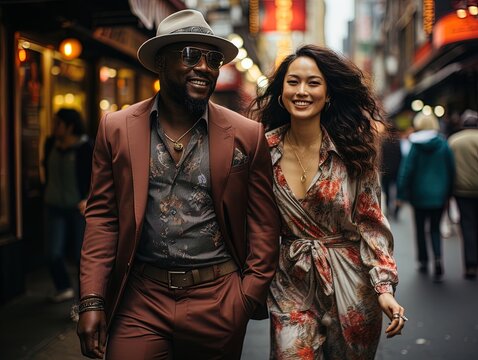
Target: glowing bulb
{"points": [[104, 104], [439, 110], [236, 40], [427, 110], [69, 98], [262, 81], [22, 55], [241, 54], [417, 105], [247, 63], [70, 48], [461, 13]]}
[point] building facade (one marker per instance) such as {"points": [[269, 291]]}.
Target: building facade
{"points": [[54, 54]]}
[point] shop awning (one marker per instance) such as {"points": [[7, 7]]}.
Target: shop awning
{"points": [[395, 101], [436, 78]]}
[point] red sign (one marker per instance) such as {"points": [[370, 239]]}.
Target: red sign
{"points": [[283, 15], [450, 29]]}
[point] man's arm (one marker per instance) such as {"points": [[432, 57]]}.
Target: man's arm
{"points": [[99, 245], [101, 233], [263, 225]]}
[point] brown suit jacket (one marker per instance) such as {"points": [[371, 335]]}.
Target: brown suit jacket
{"points": [[242, 194]]}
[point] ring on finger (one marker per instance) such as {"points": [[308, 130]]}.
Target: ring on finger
{"points": [[404, 318], [396, 316]]}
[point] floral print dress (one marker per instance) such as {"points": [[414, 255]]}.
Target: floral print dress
{"points": [[336, 257]]}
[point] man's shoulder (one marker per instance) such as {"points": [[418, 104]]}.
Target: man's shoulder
{"points": [[137, 109], [463, 136]]}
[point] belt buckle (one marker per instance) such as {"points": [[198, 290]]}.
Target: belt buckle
{"points": [[170, 285]]}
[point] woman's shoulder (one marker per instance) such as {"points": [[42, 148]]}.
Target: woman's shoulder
{"points": [[274, 136]]}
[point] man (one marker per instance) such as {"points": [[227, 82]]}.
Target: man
{"points": [[464, 145], [182, 229]]}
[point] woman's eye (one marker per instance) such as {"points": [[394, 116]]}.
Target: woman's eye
{"points": [[292, 82]]}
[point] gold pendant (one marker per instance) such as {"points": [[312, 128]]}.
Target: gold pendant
{"points": [[178, 146], [303, 178]]}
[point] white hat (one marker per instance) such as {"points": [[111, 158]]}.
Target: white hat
{"points": [[469, 118], [425, 122], [183, 26]]}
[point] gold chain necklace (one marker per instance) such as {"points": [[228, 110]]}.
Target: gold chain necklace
{"points": [[176, 143], [303, 178]]}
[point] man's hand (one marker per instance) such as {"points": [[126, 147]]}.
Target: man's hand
{"points": [[82, 207], [92, 333]]}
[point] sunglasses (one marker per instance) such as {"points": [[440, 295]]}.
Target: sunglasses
{"points": [[191, 56]]}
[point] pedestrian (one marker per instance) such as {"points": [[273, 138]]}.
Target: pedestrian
{"points": [[391, 156], [426, 181], [182, 232], [336, 270], [464, 145], [67, 162]]}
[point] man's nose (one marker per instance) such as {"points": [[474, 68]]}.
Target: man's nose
{"points": [[202, 64]]}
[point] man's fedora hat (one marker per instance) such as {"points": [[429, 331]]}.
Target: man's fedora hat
{"points": [[183, 26]]}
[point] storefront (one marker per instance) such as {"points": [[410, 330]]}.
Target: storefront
{"points": [[443, 77], [37, 78]]}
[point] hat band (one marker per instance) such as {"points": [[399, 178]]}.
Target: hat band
{"points": [[194, 29]]}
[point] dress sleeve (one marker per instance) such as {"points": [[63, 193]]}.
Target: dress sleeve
{"points": [[376, 248]]}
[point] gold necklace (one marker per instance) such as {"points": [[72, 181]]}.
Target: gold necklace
{"points": [[303, 178], [176, 143]]}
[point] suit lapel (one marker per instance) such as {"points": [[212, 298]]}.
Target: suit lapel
{"points": [[221, 150], [139, 139]]}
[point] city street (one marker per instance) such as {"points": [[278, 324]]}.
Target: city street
{"points": [[443, 321], [119, 113]]}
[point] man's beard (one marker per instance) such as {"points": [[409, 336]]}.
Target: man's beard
{"points": [[197, 107]]}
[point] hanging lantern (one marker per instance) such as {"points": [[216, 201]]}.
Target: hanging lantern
{"points": [[70, 48]]}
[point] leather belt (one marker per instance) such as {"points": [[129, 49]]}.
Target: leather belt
{"points": [[178, 279]]}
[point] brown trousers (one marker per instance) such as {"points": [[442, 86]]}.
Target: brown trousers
{"points": [[206, 321]]}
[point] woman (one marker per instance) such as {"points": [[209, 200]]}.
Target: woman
{"points": [[426, 181], [336, 271]]}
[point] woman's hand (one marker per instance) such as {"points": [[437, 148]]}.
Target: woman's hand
{"points": [[395, 313]]}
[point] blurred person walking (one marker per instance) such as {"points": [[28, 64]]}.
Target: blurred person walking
{"points": [[182, 232], [464, 145], [391, 156], [68, 156], [425, 180], [336, 270]]}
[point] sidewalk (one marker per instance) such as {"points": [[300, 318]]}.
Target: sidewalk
{"points": [[32, 327], [443, 322]]}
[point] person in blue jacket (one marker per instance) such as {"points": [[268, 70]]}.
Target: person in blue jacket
{"points": [[425, 180]]}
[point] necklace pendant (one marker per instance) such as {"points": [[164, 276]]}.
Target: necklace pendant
{"points": [[303, 178], [178, 146]]}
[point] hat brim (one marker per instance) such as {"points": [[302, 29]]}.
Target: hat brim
{"points": [[147, 51]]}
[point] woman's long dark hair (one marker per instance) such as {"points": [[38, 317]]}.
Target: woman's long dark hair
{"points": [[353, 117]]}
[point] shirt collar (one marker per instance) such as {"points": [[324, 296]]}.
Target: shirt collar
{"points": [[275, 141], [154, 113]]}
